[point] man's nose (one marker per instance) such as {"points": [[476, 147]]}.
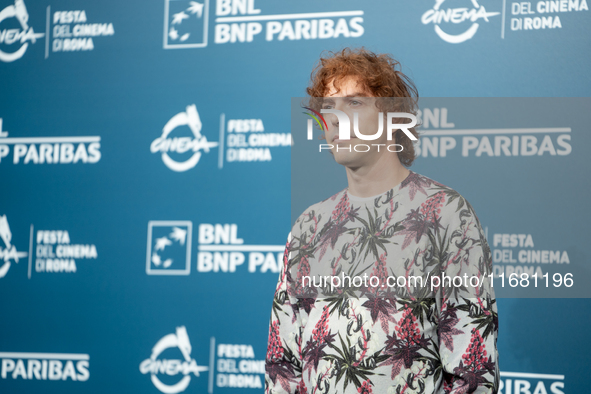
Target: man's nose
{"points": [[335, 121], [331, 120]]}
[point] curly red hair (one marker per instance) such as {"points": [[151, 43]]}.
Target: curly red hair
{"points": [[378, 75]]}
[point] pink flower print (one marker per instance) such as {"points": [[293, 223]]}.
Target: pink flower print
{"points": [[407, 328], [365, 388], [342, 209], [274, 349], [380, 272], [431, 208], [475, 355], [301, 389], [321, 328]]}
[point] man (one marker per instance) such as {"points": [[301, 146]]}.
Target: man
{"points": [[410, 328]]}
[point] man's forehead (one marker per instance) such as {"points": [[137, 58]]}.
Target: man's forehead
{"points": [[347, 86]]}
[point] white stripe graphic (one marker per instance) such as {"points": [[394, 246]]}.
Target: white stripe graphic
{"points": [[503, 21], [48, 140], [211, 362], [242, 248], [221, 148], [30, 251], [496, 131], [48, 12], [531, 375], [310, 15], [46, 356]]}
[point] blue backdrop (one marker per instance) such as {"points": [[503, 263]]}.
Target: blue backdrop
{"points": [[145, 152]]}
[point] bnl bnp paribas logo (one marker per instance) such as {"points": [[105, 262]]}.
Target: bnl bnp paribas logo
{"points": [[240, 21], [49, 150], [185, 24], [219, 249], [15, 32], [169, 247], [460, 23]]}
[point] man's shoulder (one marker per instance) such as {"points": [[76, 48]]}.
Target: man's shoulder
{"points": [[317, 212], [426, 194], [420, 188]]}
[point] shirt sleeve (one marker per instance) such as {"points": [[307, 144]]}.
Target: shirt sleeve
{"points": [[468, 320], [283, 364]]}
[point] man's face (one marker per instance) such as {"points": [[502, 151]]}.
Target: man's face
{"points": [[353, 98]]}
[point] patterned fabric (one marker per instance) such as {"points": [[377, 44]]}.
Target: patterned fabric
{"points": [[378, 338]]}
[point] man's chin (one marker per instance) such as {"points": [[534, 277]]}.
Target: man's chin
{"points": [[347, 159]]}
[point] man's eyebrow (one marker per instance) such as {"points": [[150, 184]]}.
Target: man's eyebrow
{"points": [[358, 94]]}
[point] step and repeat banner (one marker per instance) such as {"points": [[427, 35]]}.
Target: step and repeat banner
{"points": [[146, 172]]}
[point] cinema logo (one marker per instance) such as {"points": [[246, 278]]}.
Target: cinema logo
{"points": [[527, 17], [236, 367], [72, 32], [460, 22], [8, 254], [344, 134], [182, 143], [233, 365], [67, 31], [173, 149], [247, 141], [516, 254], [10, 38], [187, 366], [44, 366], [54, 252]]}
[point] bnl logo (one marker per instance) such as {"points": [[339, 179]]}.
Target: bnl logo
{"points": [[185, 24], [169, 247]]}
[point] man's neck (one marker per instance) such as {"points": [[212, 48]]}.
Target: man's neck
{"points": [[378, 178]]}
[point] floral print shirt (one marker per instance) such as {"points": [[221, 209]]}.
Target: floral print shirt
{"points": [[361, 338]]}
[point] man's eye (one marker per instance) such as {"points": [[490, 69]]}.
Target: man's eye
{"points": [[326, 106], [355, 102]]}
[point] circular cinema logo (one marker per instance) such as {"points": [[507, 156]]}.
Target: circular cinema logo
{"points": [[156, 365], [459, 24], [9, 251], [166, 144], [13, 36]]}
